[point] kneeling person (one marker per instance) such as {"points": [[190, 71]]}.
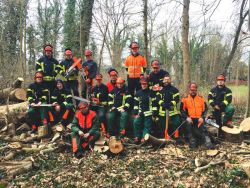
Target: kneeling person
{"points": [[193, 109], [85, 129], [142, 111], [37, 95], [62, 102]]}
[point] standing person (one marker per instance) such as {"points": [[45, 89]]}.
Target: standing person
{"points": [[49, 67], [70, 81], [143, 112], [119, 103], [85, 129], [113, 74], [220, 99], [90, 71], [37, 95], [63, 105], [166, 101], [193, 110], [99, 96], [157, 74], [135, 65]]}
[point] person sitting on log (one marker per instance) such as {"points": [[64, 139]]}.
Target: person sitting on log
{"points": [[113, 77], [63, 104], [143, 112], [99, 96], [220, 99], [193, 110], [119, 103], [37, 94], [85, 129]]}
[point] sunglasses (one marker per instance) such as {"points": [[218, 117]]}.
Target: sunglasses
{"points": [[39, 77], [134, 48], [193, 90]]}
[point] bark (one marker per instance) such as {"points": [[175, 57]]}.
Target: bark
{"points": [[248, 84], [145, 26], [155, 141], [18, 94], [185, 43]]}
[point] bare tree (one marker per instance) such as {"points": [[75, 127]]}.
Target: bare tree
{"points": [[145, 28]]}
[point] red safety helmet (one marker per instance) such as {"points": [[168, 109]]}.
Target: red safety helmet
{"points": [[120, 80], [155, 64], [68, 52], [48, 48], [143, 81], [134, 45], [87, 52], [98, 77], [221, 77]]}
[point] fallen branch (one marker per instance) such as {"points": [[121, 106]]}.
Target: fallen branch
{"points": [[212, 163]]}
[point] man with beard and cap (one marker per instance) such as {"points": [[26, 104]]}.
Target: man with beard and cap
{"points": [[220, 99], [193, 110], [113, 74], [37, 94], [63, 105], [119, 102], [135, 65], [49, 67], [85, 129], [166, 103]]}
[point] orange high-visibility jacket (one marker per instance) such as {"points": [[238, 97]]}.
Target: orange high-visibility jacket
{"points": [[194, 106], [135, 65]]}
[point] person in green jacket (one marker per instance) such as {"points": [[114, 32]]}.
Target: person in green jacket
{"points": [[85, 129]]}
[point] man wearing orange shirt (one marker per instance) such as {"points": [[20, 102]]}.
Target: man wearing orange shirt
{"points": [[135, 65]]}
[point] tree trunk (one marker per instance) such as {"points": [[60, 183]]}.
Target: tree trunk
{"points": [[185, 44], [145, 26], [248, 84], [18, 94]]}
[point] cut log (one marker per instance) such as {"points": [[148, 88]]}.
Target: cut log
{"points": [[234, 130], [245, 125], [17, 83], [115, 145], [18, 94], [234, 134], [155, 141], [246, 168]]}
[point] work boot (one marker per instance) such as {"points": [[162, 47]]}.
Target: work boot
{"points": [[192, 143], [33, 131], [208, 143], [180, 141], [229, 124], [136, 141], [78, 154]]}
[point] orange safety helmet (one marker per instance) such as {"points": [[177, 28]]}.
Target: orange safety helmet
{"points": [[68, 52], [134, 45], [87, 52], [38, 74], [221, 77], [98, 77], [120, 80], [48, 47], [155, 64]]}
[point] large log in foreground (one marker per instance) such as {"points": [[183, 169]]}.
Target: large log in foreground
{"points": [[156, 141]]}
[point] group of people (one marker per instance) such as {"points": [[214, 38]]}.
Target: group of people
{"points": [[150, 99]]}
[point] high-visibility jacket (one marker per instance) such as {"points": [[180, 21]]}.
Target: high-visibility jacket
{"points": [[64, 66], [143, 102], [135, 65], [220, 96], [156, 78], [92, 68], [49, 67], [36, 92], [193, 107], [61, 96], [120, 98], [110, 86], [168, 96], [101, 93], [86, 123]]}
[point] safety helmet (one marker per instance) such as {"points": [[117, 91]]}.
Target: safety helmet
{"points": [[143, 81], [155, 64], [120, 80], [83, 104], [221, 77], [98, 77], [68, 52], [87, 52], [134, 45], [48, 48]]}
